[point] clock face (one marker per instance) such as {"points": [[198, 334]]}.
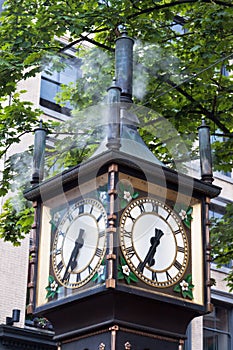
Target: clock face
{"points": [[79, 243], [154, 242]]}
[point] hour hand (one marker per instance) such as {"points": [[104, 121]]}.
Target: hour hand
{"points": [[149, 259], [155, 241], [73, 257], [78, 244]]}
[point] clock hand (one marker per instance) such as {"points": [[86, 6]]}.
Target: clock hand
{"points": [[149, 259], [73, 257]]}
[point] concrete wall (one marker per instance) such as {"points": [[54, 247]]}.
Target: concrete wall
{"points": [[14, 260], [13, 286]]}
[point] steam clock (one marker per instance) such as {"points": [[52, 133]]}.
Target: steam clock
{"points": [[122, 242]]}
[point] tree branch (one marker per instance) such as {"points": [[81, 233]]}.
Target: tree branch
{"points": [[205, 111], [176, 36], [85, 38], [94, 42], [10, 144], [176, 3]]}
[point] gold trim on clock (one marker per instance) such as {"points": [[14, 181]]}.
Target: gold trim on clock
{"points": [[154, 242], [79, 243]]}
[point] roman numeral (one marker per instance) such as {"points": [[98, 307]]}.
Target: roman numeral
{"points": [[177, 265], [180, 249], [78, 277], [130, 217], [70, 217], [58, 251], [90, 269], [169, 277], [154, 276], [155, 208], [81, 209], [168, 216], [130, 251], [60, 266], [66, 276], [100, 217], [101, 234], [99, 252], [141, 207], [61, 233], [91, 209], [176, 232], [127, 234]]}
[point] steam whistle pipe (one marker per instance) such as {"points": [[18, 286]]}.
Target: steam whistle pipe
{"points": [[38, 154], [113, 100], [205, 153], [124, 66]]}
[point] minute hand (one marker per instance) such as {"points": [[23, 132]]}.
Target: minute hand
{"points": [[73, 257], [149, 259]]}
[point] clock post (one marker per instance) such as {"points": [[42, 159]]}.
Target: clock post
{"points": [[122, 249]]}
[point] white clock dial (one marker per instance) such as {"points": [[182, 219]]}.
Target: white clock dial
{"points": [[79, 244], [154, 242]]}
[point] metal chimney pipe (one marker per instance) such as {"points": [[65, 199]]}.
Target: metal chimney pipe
{"points": [[38, 154], [114, 93], [205, 153], [124, 66]]}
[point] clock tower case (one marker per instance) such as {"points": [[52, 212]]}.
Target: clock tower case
{"points": [[122, 242]]}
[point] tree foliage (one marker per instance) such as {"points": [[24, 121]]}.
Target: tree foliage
{"points": [[181, 72]]}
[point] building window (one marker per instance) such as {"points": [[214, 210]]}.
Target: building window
{"points": [[52, 80], [1, 5], [220, 138], [217, 208], [216, 329]]}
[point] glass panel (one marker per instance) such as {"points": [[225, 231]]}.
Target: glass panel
{"points": [[50, 74], [216, 329], [69, 74], [209, 340], [52, 80], [209, 320], [218, 319], [215, 341], [223, 341], [222, 319], [48, 90], [215, 215]]}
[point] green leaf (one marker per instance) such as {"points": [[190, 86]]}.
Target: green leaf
{"points": [[122, 260], [189, 294], [177, 288], [121, 187], [51, 279], [127, 278], [189, 278], [120, 275], [133, 277], [95, 277], [50, 295], [187, 223], [123, 203], [189, 211]]}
